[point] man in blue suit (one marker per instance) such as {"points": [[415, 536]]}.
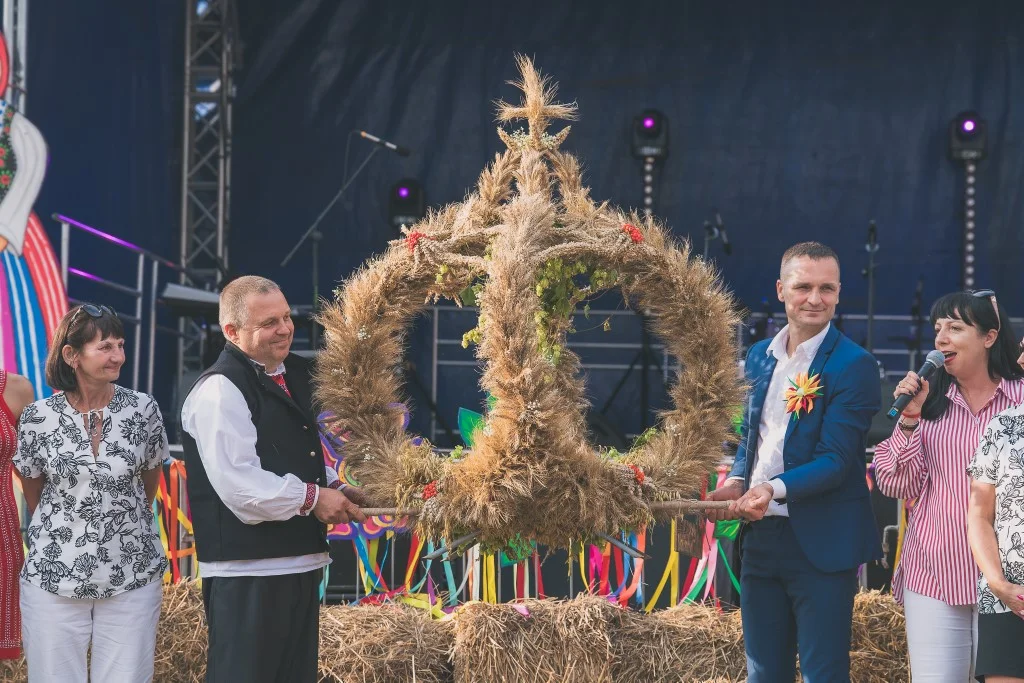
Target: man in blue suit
{"points": [[799, 481]]}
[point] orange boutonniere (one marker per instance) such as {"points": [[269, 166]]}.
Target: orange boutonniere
{"points": [[801, 392]]}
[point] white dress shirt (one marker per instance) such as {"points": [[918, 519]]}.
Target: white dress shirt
{"points": [[771, 433], [216, 415]]}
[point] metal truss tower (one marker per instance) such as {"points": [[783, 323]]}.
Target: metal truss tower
{"points": [[210, 61]]}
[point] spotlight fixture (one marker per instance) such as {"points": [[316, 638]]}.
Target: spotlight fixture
{"points": [[968, 137], [649, 135], [407, 203]]}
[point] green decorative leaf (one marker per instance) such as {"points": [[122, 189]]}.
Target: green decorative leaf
{"points": [[727, 529], [469, 422], [737, 420], [517, 550]]}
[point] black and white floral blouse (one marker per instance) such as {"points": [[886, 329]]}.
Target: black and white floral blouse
{"points": [[999, 460], [93, 534]]}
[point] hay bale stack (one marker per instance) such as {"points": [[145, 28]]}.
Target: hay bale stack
{"points": [[181, 635], [586, 640], [387, 644], [686, 643], [13, 671], [878, 653], [560, 640]]}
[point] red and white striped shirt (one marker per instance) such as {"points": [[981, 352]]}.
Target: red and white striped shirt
{"points": [[930, 465]]}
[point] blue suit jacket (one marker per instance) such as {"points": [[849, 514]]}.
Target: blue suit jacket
{"points": [[826, 491]]}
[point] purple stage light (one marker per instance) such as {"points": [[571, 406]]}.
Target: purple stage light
{"points": [[648, 122], [403, 192], [968, 126]]}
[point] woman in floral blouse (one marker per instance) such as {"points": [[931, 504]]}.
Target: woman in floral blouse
{"points": [[995, 527], [90, 459]]}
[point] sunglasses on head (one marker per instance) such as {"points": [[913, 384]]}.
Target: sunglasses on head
{"points": [[94, 311], [991, 296]]}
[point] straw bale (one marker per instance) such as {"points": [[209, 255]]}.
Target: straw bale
{"points": [[686, 643], [560, 640], [385, 644], [583, 640]]}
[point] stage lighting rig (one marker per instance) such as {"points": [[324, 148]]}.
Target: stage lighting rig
{"points": [[968, 139], [649, 138], [407, 203]]}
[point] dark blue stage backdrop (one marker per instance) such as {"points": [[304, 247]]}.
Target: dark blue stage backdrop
{"points": [[796, 122]]}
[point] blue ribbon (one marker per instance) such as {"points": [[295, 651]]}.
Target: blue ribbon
{"points": [[364, 557]]}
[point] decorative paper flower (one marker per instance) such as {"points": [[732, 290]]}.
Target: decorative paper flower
{"points": [[638, 474], [801, 392], [430, 490], [413, 239], [633, 232]]}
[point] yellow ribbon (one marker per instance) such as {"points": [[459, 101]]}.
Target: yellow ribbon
{"points": [[415, 561], [672, 568], [490, 584], [674, 554]]}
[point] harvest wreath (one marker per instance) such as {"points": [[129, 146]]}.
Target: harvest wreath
{"points": [[529, 245]]}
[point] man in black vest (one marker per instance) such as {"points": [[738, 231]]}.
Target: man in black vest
{"points": [[259, 494]]}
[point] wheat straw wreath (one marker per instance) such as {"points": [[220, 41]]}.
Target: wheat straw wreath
{"points": [[531, 244]]}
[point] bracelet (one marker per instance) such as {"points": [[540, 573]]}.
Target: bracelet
{"points": [[907, 427], [309, 501], [912, 417]]}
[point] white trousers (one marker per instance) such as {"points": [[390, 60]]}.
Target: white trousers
{"points": [[942, 639], [56, 632]]}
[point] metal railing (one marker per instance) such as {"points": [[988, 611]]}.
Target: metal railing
{"points": [[142, 321]]}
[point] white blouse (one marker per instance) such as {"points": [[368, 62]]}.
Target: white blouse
{"points": [[999, 461], [93, 534]]}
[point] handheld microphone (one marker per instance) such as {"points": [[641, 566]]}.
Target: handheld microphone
{"points": [[398, 149], [932, 362], [872, 234], [726, 246]]}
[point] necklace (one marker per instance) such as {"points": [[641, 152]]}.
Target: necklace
{"points": [[92, 420], [94, 423]]}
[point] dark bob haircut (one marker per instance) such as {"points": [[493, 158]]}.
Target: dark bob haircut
{"points": [[978, 311], [78, 327]]}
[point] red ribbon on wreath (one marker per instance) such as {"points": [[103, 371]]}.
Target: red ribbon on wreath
{"points": [[413, 239], [633, 232]]}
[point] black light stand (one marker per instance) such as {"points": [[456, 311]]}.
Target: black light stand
{"points": [[646, 358], [649, 142], [312, 233], [716, 231], [914, 340], [872, 248]]}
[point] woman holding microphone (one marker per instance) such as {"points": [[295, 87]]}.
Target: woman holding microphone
{"points": [[926, 459]]}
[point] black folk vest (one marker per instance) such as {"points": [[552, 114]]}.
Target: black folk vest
{"points": [[287, 443]]}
